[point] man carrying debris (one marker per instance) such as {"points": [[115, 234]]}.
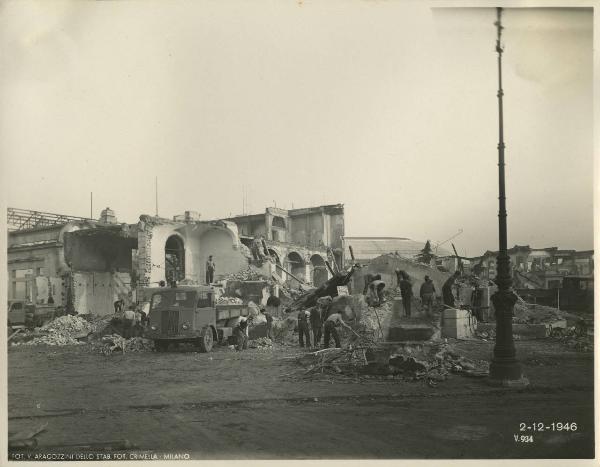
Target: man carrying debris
{"points": [[427, 294], [406, 293], [128, 319], [303, 330], [210, 270], [335, 320], [447, 293]]}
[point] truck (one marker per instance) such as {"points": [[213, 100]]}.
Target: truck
{"points": [[188, 314], [24, 314]]}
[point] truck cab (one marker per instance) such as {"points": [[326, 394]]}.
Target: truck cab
{"points": [[22, 313], [182, 314]]}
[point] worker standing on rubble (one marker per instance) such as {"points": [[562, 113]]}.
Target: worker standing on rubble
{"points": [[303, 330], [427, 294], [447, 293], [210, 270], [406, 293], [331, 323]]}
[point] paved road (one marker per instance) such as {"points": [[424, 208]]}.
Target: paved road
{"points": [[230, 405]]}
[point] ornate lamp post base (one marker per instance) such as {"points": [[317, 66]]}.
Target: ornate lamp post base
{"points": [[505, 370]]}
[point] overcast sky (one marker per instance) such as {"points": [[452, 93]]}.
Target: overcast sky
{"points": [[387, 107]]}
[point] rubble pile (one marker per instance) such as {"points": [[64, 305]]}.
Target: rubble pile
{"points": [[576, 338], [431, 364], [377, 319], [282, 329], [64, 330], [229, 301], [262, 343], [114, 342], [249, 274], [528, 313]]}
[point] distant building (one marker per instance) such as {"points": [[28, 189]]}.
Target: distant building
{"points": [[538, 267]]}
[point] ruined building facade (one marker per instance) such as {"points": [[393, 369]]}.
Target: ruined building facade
{"points": [[88, 264]]}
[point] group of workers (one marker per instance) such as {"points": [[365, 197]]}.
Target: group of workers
{"points": [[374, 286], [320, 322]]}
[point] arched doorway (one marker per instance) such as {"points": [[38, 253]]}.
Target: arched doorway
{"points": [[319, 270], [174, 259], [295, 265]]}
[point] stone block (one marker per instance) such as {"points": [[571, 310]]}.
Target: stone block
{"points": [[410, 332]]}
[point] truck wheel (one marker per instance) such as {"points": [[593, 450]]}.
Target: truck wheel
{"points": [[206, 340], [161, 346]]}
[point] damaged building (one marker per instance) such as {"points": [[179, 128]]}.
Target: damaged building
{"points": [[88, 264]]}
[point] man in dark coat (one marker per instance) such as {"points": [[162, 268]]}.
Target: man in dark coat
{"points": [[447, 294], [406, 293], [427, 293]]}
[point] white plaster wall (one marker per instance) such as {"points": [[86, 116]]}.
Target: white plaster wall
{"points": [[160, 234], [225, 251]]}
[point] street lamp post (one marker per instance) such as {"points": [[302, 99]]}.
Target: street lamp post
{"points": [[505, 369]]}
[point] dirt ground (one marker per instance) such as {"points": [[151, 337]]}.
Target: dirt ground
{"points": [[256, 405]]}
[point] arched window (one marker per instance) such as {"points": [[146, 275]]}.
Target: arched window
{"points": [[174, 259]]}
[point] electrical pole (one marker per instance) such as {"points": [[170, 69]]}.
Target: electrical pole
{"points": [[505, 369], [156, 196]]}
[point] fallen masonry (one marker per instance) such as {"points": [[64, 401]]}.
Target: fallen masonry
{"points": [[429, 361]]}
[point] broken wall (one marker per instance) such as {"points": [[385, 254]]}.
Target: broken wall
{"points": [[96, 292]]}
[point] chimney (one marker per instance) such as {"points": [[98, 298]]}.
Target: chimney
{"points": [[107, 216]]}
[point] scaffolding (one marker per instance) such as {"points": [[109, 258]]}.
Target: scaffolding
{"points": [[24, 219]]}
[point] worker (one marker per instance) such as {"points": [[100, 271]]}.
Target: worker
{"points": [[210, 270], [316, 325], [269, 318], [427, 293], [398, 276], [303, 331], [368, 279], [273, 304], [331, 323], [119, 305], [137, 322], [128, 321], [240, 333], [447, 293], [406, 293], [376, 297]]}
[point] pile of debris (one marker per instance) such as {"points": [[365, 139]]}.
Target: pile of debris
{"points": [[431, 363], [377, 319], [229, 301], [114, 342], [249, 274], [64, 330], [578, 337], [528, 313], [262, 343]]}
